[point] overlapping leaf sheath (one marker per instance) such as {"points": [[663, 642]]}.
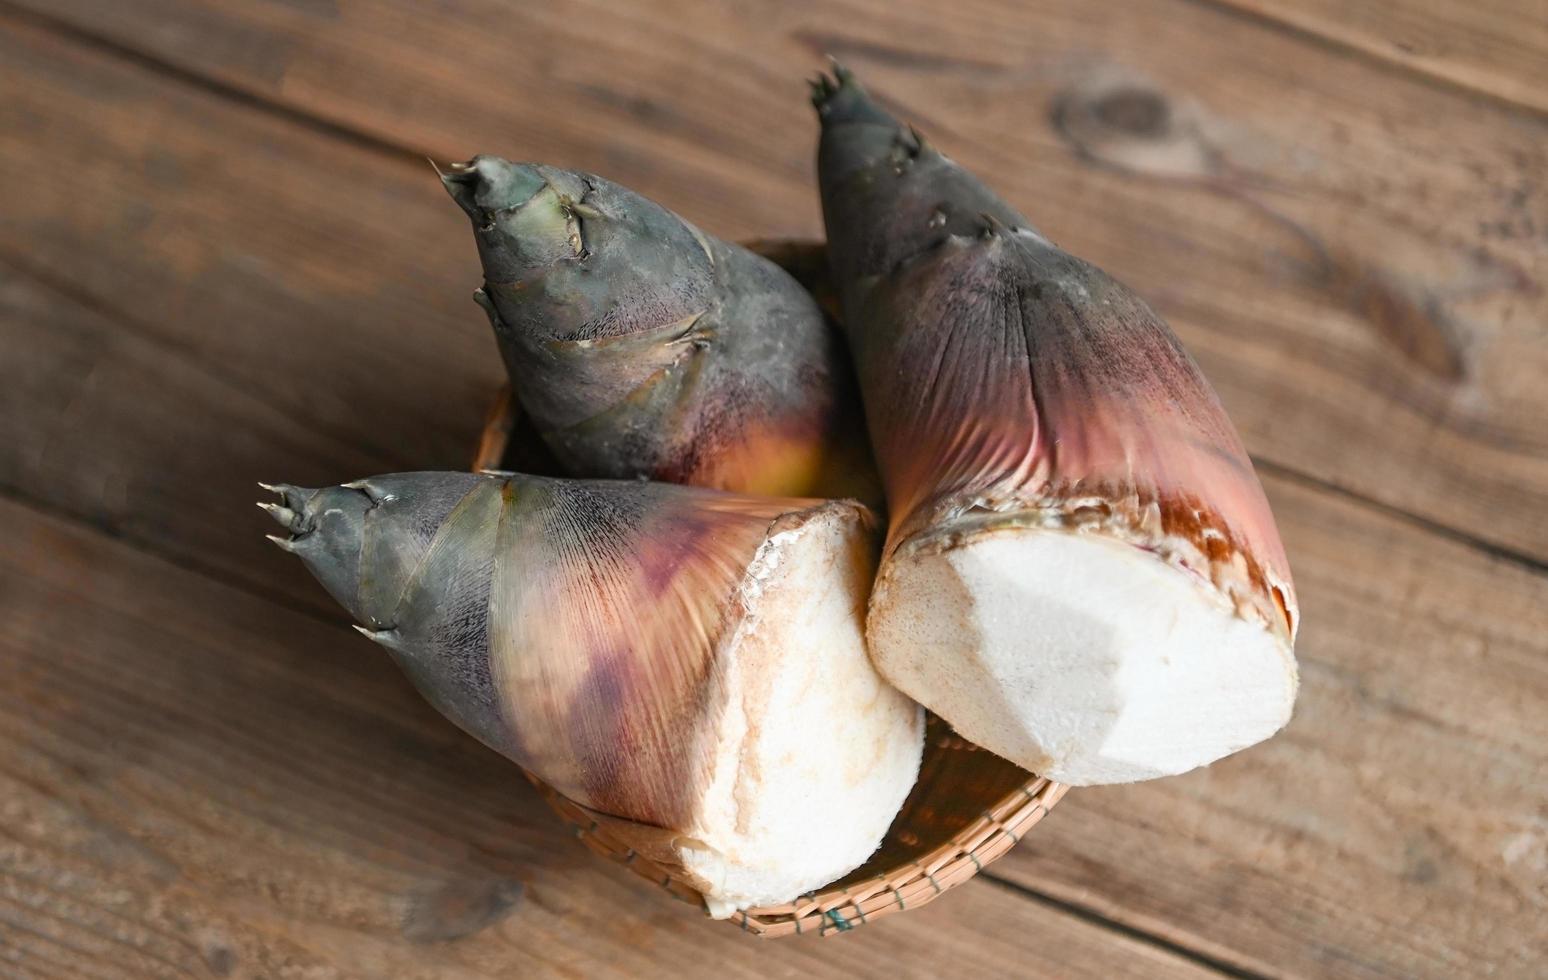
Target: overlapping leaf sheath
{"points": [[641, 346], [1009, 384]]}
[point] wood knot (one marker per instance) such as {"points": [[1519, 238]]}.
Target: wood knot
{"points": [[1133, 126], [1410, 318], [1142, 113], [220, 960], [459, 907]]}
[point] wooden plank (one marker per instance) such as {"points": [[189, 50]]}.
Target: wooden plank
{"points": [[1399, 826], [137, 436], [310, 275], [1356, 257], [195, 781], [234, 265], [245, 310], [1498, 46]]}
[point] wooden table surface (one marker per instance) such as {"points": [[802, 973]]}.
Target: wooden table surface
{"points": [[223, 258]]}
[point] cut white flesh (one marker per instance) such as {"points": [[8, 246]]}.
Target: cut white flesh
{"points": [[1078, 657], [814, 752]]}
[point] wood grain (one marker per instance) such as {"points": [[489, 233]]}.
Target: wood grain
{"points": [[196, 293], [1499, 47], [197, 782], [1357, 257], [243, 310], [102, 421]]}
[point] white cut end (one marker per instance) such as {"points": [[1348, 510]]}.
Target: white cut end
{"points": [[815, 752], [1078, 657]]}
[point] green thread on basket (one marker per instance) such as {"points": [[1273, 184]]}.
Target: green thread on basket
{"points": [[839, 922]]}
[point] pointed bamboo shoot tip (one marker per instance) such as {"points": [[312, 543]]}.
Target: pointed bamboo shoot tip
{"points": [[387, 637], [460, 173], [485, 303], [282, 543], [280, 513]]}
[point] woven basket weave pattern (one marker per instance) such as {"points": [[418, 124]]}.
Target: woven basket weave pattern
{"points": [[853, 903]]}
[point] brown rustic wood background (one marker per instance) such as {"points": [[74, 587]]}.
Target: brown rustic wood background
{"points": [[223, 258]]}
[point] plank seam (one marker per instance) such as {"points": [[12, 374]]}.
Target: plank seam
{"points": [[48, 280], [1093, 917], [48, 508], [359, 138], [1499, 552], [1368, 55]]}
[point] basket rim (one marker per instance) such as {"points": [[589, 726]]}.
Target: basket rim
{"points": [[837, 909]]}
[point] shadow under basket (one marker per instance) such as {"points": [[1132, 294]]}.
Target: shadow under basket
{"points": [[968, 807]]}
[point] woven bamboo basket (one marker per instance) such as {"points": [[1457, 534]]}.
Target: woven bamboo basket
{"points": [[967, 809]]}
